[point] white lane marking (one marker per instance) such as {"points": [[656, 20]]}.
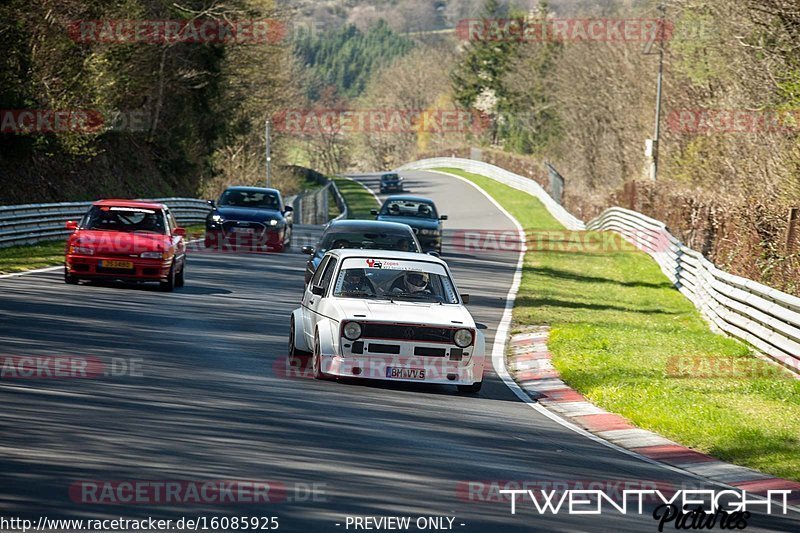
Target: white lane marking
{"points": [[378, 200], [498, 360], [37, 271], [54, 268]]}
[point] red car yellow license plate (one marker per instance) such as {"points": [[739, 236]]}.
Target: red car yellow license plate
{"points": [[126, 265]]}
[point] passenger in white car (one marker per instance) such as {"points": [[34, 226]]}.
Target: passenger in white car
{"points": [[356, 281]]}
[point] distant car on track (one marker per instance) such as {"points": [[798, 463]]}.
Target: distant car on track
{"points": [[127, 240], [252, 218], [361, 234], [419, 213], [391, 182], [387, 315]]}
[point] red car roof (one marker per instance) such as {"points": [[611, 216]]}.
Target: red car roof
{"points": [[129, 203]]}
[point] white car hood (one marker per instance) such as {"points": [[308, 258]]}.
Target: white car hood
{"points": [[405, 312]]}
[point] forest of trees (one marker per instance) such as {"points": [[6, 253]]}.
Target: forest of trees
{"points": [[199, 106], [346, 58], [728, 150]]}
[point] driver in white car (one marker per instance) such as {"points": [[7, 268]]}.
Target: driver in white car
{"points": [[412, 283]]}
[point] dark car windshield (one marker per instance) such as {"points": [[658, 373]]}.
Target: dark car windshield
{"points": [[409, 208], [128, 219], [252, 199], [373, 240], [390, 177]]}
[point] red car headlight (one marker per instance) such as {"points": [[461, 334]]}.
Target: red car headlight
{"points": [[81, 250], [154, 255]]}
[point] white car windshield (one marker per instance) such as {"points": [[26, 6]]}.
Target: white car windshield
{"points": [[394, 280]]}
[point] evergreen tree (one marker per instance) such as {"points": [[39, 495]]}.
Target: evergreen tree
{"points": [[478, 78], [347, 58], [529, 119]]}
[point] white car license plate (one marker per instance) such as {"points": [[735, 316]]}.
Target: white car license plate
{"points": [[243, 230], [405, 373]]}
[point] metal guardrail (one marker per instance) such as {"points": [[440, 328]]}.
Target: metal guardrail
{"points": [[344, 211], [32, 223], [766, 318], [313, 207], [503, 176]]}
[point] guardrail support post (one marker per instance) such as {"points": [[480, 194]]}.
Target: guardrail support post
{"points": [[791, 230]]}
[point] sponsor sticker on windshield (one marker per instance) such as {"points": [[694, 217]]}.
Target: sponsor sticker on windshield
{"points": [[388, 264]]}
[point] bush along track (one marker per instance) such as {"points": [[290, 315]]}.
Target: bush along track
{"points": [[631, 344]]}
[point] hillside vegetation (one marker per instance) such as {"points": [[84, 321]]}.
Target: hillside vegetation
{"points": [[346, 58], [177, 118], [728, 151]]}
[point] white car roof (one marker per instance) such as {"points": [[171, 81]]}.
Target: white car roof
{"points": [[344, 253]]}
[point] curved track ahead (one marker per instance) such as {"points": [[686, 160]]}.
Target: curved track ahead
{"points": [[213, 401]]}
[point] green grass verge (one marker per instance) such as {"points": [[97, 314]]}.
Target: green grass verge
{"points": [[21, 258], [623, 336], [51, 253], [359, 200]]}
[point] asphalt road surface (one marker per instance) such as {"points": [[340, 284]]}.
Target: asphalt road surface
{"points": [[203, 392]]}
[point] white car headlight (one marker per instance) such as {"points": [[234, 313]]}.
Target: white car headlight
{"points": [[273, 222], [217, 218], [151, 255], [463, 338], [428, 232], [352, 330]]}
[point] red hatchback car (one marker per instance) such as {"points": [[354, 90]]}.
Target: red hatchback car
{"points": [[127, 240]]}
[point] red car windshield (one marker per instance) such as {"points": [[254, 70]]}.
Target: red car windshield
{"points": [[127, 219]]}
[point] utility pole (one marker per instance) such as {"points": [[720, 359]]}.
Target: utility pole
{"points": [[660, 37], [267, 152]]}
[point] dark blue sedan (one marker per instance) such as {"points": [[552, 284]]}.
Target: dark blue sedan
{"points": [[249, 218], [419, 213], [362, 234]]}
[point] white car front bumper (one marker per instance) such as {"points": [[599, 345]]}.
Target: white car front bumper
{"points": [[426, 369]]}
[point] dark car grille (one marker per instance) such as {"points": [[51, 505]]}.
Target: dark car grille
{"points": [[408, 333], [257, 227]]}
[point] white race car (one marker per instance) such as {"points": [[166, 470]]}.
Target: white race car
{"points": [[388, 315]]}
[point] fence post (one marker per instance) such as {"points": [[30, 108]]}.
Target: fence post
{"points": [[791, 230], [325, 204], [629, 194]]}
